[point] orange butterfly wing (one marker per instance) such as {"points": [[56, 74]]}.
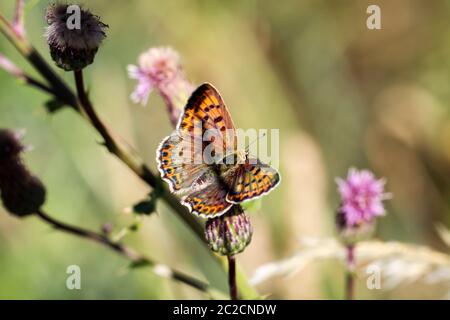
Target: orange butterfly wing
{"points": [[180, 155], [206, 111], [210, 201], [253, 179], [176, 161]]}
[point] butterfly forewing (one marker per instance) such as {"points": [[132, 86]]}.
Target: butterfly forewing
{"points": [[206, 110]]}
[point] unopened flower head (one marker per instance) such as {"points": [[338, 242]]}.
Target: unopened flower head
{"points": [[160, 69], [74, 36], [10, 146], [362, 196], [230, 233], [22, 193]]}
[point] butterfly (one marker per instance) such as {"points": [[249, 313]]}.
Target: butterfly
{"points": [[210, 183]]}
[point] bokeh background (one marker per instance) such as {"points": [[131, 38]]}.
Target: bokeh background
{"points": [[341, 95]]}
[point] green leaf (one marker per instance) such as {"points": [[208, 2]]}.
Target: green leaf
{"points": [[135, 226], [145, 207], [54, 105], [139, 264]]}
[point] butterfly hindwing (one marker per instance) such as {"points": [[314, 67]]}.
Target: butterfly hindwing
{"points": [[252, 181], [209, 201]]}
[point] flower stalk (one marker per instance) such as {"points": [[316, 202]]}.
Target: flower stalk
{"points": [[19, 22], [232, 277], [362, 196], [350, 272]]}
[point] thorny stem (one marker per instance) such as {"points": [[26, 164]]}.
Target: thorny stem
{"points": [[132, 160], [350, 273], [232, 277], [126, 252]]}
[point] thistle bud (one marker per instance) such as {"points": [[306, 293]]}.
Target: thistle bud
{"points": [[230, 233], [74, 36], [22, 193]]}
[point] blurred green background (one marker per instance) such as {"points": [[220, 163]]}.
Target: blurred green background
{"points": [[341, 95]]}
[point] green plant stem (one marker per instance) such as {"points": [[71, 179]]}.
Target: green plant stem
{"points": [[350, 273], [232, 277], [131, 159], [130, 254]]}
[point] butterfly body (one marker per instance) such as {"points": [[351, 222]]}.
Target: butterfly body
{"points": [[199, 160]]}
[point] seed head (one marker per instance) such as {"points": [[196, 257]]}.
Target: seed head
{"points": [[73, 35]]}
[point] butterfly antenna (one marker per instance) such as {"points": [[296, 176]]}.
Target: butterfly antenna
{"points": [[248, 146]]}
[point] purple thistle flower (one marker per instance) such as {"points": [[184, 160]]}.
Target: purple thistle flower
{"points": [[160, 69], [362, 196]]}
